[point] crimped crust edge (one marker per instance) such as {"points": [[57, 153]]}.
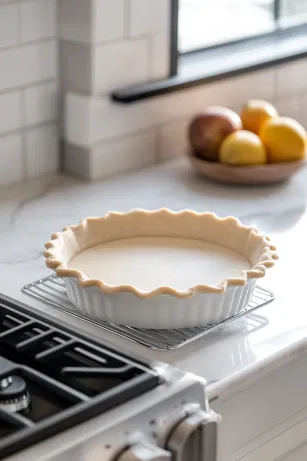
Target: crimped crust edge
{"points": [[266, 260]]}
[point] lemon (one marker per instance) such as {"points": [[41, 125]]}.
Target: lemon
{"points": [[242, 148], [255, 113], [285, 140]]}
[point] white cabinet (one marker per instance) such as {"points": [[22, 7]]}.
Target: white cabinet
{"points": [[267, 420], [298, 455], [289, 445]]}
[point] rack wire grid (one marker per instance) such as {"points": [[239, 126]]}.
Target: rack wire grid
{"points": [[51, 291]]}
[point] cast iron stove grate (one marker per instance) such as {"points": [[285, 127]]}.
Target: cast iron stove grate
{"points": [[51, 291], [52, 378]]}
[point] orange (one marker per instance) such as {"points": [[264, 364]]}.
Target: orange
{"points": [[255, 113], [284, 139], [242, 148]]}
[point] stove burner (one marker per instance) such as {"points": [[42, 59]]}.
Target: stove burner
{"points": [[53, 378], [14, 396]]}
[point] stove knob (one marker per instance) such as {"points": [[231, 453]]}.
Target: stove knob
{"points": [[194, 438], [144, 452]]}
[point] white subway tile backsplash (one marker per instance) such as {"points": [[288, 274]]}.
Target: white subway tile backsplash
{"points": [[91, 119], [9, 32], [127, 154], [76, 62], [289, 106], [149, 17], [42, 151], [108, 20], [290, 78], [303, 110], [40, 103], [78, 119], [75, 20], [10, 75], [39, 62], [11, 169], [28, 64], [173, 140], [259, 84], [76, 161], [28, 89], [10, 118], [37, 19], [120, 64], [160, 56], [104, 67]]}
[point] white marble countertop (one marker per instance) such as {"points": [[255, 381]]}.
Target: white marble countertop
{"points": [[31, 213]]}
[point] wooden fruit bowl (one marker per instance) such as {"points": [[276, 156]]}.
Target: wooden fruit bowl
{"points": [[246, 175]]}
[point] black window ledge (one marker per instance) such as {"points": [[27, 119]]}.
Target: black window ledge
{"points": [[221, 62]]}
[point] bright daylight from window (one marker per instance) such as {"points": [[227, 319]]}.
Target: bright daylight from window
{"points": [[204, 23]]}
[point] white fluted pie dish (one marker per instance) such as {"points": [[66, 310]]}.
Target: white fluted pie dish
{"points": [[160, 269]]}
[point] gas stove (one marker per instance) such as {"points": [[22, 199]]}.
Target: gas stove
{"points": [[54, 381]]}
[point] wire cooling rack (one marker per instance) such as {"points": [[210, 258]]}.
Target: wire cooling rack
{"points": [[51, 291]]}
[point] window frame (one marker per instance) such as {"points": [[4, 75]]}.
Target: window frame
{"points": [[175, 54], [181, 64]]}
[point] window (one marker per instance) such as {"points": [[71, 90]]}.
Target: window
{"points": [[217, 39], [205, 23]]}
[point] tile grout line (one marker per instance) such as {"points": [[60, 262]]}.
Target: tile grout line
{"points": [[117, 138], [126, 25], [59, 99], [19, 24], [20, 45], [27, 128], [22, 109], [150, 63], [28, 85], [23, 138]]}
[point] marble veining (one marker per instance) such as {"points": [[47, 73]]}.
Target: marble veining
{"points": [[239, 352]]}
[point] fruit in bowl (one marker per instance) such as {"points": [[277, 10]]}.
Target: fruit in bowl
{"points": [[208, 130], [243, 148], [285, 140], [260, 147], [255, 113]]}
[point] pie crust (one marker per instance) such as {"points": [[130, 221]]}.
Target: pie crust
{"points": [[163, 306]]}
